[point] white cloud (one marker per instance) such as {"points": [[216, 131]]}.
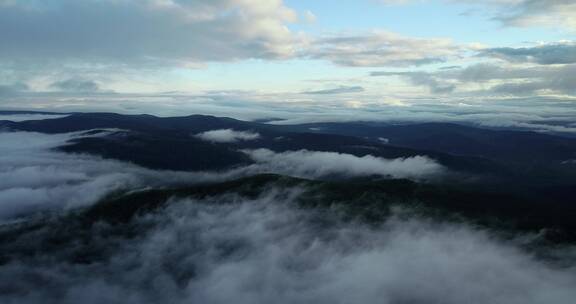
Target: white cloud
{"points": [[521, 13], [382, 48], [231, 249], [549, 13], [548, 112], [24, 117], [499, 79], [315, 164], [158, 32], [227, 136], [35, 177]]}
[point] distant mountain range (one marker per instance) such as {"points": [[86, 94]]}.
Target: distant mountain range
{"points": [[517, 154], [521, 164]]}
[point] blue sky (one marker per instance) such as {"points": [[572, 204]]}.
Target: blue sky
{"points": [[462, 22]]}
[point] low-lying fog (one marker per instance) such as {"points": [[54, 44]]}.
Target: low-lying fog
{"points": [[230, 249]]}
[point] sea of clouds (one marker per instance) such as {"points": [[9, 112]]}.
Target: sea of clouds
{"points": [[230, 249], [37, 177]]}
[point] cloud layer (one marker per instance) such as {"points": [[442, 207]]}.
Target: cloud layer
{"points": [[24, 117], [227, 136], [232, 249], [150, 31], [522, 13], [338, 90], [550, 13], [314, 164], [498, 79], [382, 48], [555, 53], [36, 178]]}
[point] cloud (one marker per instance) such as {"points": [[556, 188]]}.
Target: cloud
{"points": [[529, 80], [530, 13], [11, 90], [338, 90], [520, 13], [497, 79], [435, 84], [24, 117], [231, 249], [74, 85], [36, 177], [227, 136], [471, 104], [560, 53], [314, 164], [156, 32], [550, 13], [381, 48]]}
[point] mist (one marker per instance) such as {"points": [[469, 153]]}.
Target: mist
{"points": [[36, 177], [227, 136], [230, 249], [317, 164]]}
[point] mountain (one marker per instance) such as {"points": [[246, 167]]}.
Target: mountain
{"points": [[151, 139], [180, 211], [517, 146], [502, 155]]}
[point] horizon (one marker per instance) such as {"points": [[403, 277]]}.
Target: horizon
{"points": [[510, 62]]}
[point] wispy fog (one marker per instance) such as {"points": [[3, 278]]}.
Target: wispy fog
{"points": [[227, 136], [36, 177], [233, 250], [315, 164]]}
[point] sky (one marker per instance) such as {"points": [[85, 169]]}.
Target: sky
{"points": [[251, 58]]}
